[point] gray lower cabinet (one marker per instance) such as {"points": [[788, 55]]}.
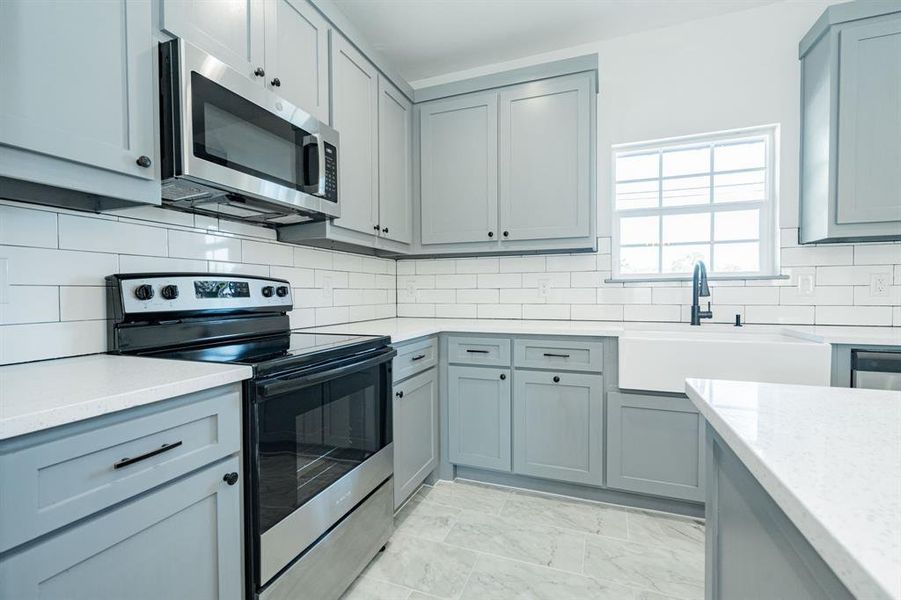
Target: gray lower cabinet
{"points": [[479, 417], [655, 445], [558, 426], [180, 541], [753, 549], [415, 417]]}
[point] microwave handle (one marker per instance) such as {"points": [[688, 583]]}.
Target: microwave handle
{"points": [[317, 184], [283, 386]]}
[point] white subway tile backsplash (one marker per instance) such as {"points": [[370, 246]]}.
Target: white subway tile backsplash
{"points": [[27, 227], [87, 303], [613, 295], [743, 295], [39, 341], [310, 258], [100, 235], [597, 312], [302, 317], [298, 278], [265, 253], [347, 262], [406, 267], [552, 280], [477, 265], [821, 295], [361, 280], [44, 266], [437, 296], [863, 296], [238, 268], [651, 312], [787, 315], [475, 296], [521, 296], [500, 280], [415, 310], [853, 315], [189, 244], [460, 281], [809, 256], [522, 264], [332, 315], [157, 264], [433, 267], [456, 311], [330, 280], [877, 254], [499, 311], [572, 262], [31, 304], [545, 311], [856, 275], [572, 295]]}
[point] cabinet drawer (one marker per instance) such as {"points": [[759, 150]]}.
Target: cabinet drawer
{"points": [[478, 351], [414, 358], [51, 484], [567, 355]]}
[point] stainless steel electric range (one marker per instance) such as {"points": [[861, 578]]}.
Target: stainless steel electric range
{"points": [[318, 452]]}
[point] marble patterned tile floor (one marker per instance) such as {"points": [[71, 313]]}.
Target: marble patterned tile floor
{"points": [[467, 541]]}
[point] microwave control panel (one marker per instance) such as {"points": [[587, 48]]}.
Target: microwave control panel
{"points": [[331, 172]]}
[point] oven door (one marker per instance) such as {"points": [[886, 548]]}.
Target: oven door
{"points": [[224, 131], [321, 443]]}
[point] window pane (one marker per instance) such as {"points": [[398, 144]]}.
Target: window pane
{"points": [[686, 162], [739, 187], [748, 155], [731, 258], [639, 230], [636, 261], [640, 194], [686, 191], [641, 166], [686, 228], [737, 225], [681, 259]]}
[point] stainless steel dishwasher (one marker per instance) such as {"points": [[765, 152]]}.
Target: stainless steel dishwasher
{"points": [[877, 370]]}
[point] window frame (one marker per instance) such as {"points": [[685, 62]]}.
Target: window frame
{"points": [[768, 229]]}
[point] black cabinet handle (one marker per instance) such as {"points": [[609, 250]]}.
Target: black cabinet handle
{"points": [[477, 351], [130, 461], [490, 234], [259, 72], [418, 357], [276, 82], [385, 230], [376, 227], [144, 161], [556, 379], [399, 394], [230, 478], [556, 355], [503, 376], [506, 234]]}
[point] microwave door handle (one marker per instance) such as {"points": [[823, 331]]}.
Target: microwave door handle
{"points": [[284, 386], [316, 185]]}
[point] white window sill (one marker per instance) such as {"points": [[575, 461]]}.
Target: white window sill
{"points": [[651, 279]]}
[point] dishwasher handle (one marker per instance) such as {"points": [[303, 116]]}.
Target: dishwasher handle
{"points": [[878, 362]]}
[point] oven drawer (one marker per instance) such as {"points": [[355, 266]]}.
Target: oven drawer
{"points": [[552, 354], [414, 358], [478, 351], [56, 482]]}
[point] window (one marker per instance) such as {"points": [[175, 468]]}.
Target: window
{"points": [[708, 197]]}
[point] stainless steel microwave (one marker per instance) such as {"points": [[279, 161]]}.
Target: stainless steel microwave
{"points": [[231, 148]]}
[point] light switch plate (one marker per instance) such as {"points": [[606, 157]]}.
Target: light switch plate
{"points": [[805, 285], [544, 287]]}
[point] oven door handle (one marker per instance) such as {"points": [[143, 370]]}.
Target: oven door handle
{"points": [[280, 386]]}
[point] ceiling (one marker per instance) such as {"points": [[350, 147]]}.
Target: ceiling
{"points": [[426, 38]]}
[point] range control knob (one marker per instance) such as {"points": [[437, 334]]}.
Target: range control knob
{"points": [[281, 291], [267, 291], [144, 292], [169, 292]]}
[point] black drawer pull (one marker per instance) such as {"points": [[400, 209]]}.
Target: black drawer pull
{"points": [[556, 355], [477, 351], [130, 461], [418, 357]]}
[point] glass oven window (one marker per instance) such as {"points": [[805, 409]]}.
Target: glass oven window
{"points": [[236, 133], [311, 437]]}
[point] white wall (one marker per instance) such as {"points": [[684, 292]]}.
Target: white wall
{"points": [[732, 71]]}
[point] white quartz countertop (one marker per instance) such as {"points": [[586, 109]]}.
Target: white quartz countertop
{"points": [[45, 394], [831, 460], [405, 328]]}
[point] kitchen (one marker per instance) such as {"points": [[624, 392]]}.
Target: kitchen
{"points": [[285, 312]]}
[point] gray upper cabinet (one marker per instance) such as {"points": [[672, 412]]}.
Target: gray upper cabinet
{"points": [[655, 445], [545, 159], [95, 105], [558, 426], [180, 541], [297, 55], [395, 164], [415, 418], [479, 414], [355, 92], [851, 124], [458, 161], [232, 33]]}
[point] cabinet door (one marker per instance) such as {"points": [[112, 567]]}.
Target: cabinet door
{"points": [[181, 541], [545, 159], [558, 426], [355, 85], [230, 30], [458, 163], [869, 124], [478, 404], [395, 163], [654, 445], [415, 432], [78, 82], [297, 55]]}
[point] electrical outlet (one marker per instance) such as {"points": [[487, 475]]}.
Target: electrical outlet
{"points": [[805, 285], [544, 287], [411, 289], [879, 284], [328, 284], [4, 281]]}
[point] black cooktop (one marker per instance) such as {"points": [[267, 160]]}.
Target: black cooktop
{"points": [[282, 352]]}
